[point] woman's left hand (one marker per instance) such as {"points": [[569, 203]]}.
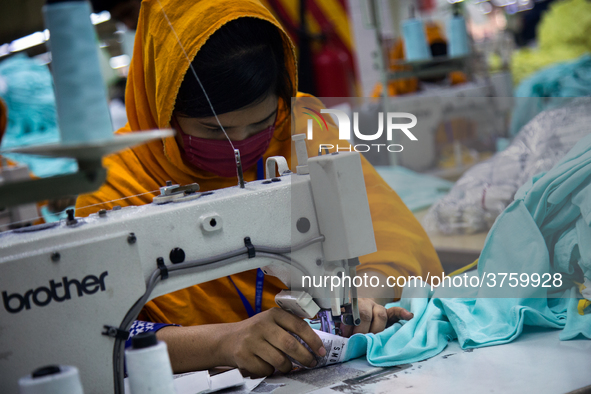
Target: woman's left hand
{"points": [[375, 318]]}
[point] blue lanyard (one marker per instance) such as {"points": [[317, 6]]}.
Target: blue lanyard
{"points": [[258, 299], [260, 169]]}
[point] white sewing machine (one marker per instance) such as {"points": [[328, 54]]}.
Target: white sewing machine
{"points": [[63, 283]]}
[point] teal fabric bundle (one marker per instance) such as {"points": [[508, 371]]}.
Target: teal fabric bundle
{"points": [[548, 88], [546, 230], [29, 96], [422, 337]]}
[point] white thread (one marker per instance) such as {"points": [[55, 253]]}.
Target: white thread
{"points": [[118, 199], [195, 73], [88, 206]]}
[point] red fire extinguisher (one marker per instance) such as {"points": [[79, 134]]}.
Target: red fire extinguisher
{"points": [[426, 5], [333, 69]]}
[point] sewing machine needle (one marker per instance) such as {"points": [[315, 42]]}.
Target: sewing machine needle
{"points": [[239, 168]]}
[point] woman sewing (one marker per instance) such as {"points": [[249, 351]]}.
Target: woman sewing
{"points": [[247, 65]]}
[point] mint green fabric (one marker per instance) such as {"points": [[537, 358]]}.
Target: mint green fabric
{"points": [[546, 230]]}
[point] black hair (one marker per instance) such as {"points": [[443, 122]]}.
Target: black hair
{"points": [[239, 65]]}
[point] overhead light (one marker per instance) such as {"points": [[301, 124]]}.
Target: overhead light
{"points": [[39, 37], [4, 50], [100, 17], [27, 42], [119, 61]]}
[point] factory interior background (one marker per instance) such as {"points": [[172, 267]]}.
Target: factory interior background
{"points": [[514, 51]]}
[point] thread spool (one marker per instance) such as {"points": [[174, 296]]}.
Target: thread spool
{"points": [[416, 47], [81, 97], [415, 41], [148, 366], [63, 379], [457, 35]]}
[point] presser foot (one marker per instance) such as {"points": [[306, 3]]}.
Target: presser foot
{"points": [[328, 321]]}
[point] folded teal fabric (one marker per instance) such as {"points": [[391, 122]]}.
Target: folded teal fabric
{"points": [[545, 231], [422, 337]]}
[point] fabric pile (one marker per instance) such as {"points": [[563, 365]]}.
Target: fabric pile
{"points": [[485, 190], [27, 89], [545, 231]]}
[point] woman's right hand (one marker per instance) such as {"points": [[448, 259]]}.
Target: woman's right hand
{"points": [[259, 345]]}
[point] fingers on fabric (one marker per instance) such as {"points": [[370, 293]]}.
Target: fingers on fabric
{"points": [[263, 343], [374, 318], [299, 327], [288, 344], [396, 313], [379, 319]]}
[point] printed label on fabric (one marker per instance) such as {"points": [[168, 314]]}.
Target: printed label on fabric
{"points": [[336, 348]]}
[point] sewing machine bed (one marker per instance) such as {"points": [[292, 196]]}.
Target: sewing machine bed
{"points": [[537, 362]]}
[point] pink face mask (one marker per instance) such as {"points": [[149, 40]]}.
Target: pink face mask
{"points": [[217, 156]]}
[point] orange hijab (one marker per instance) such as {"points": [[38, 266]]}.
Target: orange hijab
{"points": [[156, 72]]}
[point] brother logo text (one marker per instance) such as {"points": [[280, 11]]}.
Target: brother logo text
{"points": [[42, 296]]}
